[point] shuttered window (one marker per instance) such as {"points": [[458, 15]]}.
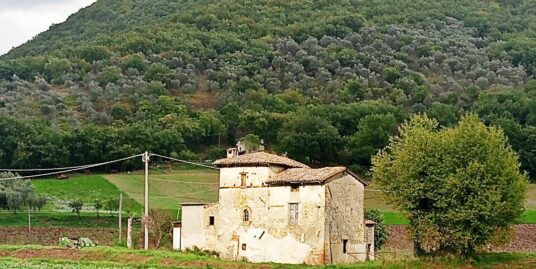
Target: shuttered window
{"points": [[293, 213], [245, 215]]}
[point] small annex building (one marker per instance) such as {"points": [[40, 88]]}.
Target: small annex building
{"points": [[275, 209]]}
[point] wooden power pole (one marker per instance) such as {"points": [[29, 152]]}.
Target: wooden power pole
{"points": [[120, 215], [146, 217], [129, 232], [29, 220]]}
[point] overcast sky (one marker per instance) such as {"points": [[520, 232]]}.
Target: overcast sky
{"points": [[21, 20]]}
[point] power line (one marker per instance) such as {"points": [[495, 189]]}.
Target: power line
{"points": [[187, 182], [42, 169], [139, 194], [71, 170], [52, 169], [183, 161]]}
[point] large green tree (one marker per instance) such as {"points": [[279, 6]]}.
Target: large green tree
{"points": [[373, 134], [310, 138], [459, 186]]}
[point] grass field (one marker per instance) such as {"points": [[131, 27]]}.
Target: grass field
{"points": [[57, 219], [531, 197], [101, 257], [84, 187], [169, 189]]}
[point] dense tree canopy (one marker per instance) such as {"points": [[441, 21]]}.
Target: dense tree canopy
{"points": [[459, 186], [177, 77]]}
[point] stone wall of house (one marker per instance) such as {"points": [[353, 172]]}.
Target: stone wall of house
{"points": [[255, 176], [329, 216], [197, 230], [192, 231], [268, 236], [344, 221]]}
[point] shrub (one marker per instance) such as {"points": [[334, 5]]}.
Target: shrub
{"points": [[381, 235]]}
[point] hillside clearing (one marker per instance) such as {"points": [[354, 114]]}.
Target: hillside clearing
{"points": [[169, 190], [87, 188]]}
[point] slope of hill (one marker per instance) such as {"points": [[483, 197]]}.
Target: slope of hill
{"points": [[178, 77], [170, 190]]}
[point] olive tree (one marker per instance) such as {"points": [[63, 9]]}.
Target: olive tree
{"points": [[459, 186], [76, 207]]}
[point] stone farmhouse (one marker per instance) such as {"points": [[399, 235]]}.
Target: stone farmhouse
{"points": [[275, 209]]}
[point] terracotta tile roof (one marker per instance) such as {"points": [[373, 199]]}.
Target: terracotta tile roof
{"points": [[259, 159], [306, 175]]}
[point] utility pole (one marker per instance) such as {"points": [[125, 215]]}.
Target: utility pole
{"points": [[29, 220], [146, 161], [129, 232], [120, 215]]}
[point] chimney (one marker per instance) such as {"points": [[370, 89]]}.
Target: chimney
{"points": [[232, 152], [262, 146]]}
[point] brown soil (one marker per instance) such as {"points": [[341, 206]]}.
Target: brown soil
{"points": [[524, 241], [202, 98], [51, 236], [60, 254]]}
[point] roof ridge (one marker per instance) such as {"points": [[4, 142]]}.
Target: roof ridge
{"points": [[311, 175], [259, 158]]}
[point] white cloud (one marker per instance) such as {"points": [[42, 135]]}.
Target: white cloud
{"points": [[21, 20]]}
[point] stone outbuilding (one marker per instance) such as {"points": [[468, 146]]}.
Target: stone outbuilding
{"points": [[275, 209]]}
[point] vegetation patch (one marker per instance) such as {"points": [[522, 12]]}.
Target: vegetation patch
{"points": [[99, 257]]}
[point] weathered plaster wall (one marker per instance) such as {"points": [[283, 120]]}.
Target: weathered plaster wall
{"points": [[196, 229], [268, 236], [255, 176], [327, 215], [192, 227], [344, 212]]}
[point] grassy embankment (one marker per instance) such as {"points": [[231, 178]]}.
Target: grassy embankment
{"points": [[101, 257]]}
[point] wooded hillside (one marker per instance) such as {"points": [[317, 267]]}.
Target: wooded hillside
{"points": [[325, 81]]}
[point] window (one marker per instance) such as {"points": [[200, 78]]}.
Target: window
{"points": [[243, 179], [245, 215], [293, 213], [294, 187], [344, 246], [211, 220], [244, 246]]}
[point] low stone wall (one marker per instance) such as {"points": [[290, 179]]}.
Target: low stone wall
{"points": [[524, 241]]}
